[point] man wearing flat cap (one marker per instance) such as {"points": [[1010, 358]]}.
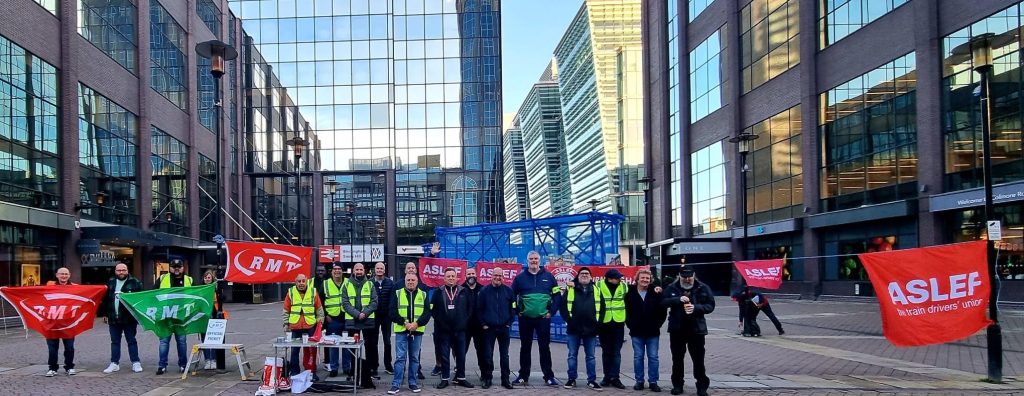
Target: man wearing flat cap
{"points": [[688, 301]]}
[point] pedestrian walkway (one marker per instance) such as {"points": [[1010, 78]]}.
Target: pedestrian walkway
{"points": [[829, 348]]}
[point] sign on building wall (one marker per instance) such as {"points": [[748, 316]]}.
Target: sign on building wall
{"points": [[352, 253]]}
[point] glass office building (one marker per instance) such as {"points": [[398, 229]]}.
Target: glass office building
{"points": [[401, 95]]}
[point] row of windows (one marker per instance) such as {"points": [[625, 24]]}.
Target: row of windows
{"points": [[706, 77], [366, 49], [170, 183], [168, 65], [709, 199], [840, 18], [107, 136], [770, 40], [110, 26], [674, 121], [208, 212], [774, 168]]}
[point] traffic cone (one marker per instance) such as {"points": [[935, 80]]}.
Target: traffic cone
{"points": [[268, 383]]}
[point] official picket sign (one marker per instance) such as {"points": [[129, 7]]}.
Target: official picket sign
{"points": [[215, 331]]}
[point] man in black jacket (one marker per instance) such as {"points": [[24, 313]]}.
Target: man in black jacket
{"points": [[474, 333], [119, 321], [385, 290], [495, 310], [644, 317], [449, 306], [689, 300], [582, 306]]}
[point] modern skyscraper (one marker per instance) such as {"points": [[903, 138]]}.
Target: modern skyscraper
{"points": [[517, 200], [547, 168], [404, 99]]}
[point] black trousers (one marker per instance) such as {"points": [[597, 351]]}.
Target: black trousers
{"points": [[383, 327], [488, 337], [771, 315], [750, 326], [681, 342], [542, 328], [370, 338], [610, 337], [452, 343], [69, 353], [475, 338]]}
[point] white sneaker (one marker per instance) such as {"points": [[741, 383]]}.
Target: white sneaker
{"points": [[136, 367], [72, 371], [50, 373], [210, 365], [112, 368]]}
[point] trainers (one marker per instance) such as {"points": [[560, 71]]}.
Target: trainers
{"points": [[51, 373], [161, 370], [655, 388], [618, 384], [419, 375], [393, 390], [639, 386], [112, 368], [593, 385], [415, 388], [520, 381], [181, 369], [435, 372], [551, 382], [569, 384], [389, 371], [72, 371], [136, 367]]}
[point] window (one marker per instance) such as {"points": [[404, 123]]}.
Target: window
{"points": [[774, 169], [167, 57], [209, 111], [709, 196], [210, 14], [208, 211], [49, 5], [962, 109], [674, 123], [696, 7], [110, 26], [705, 78], [840, 18], [869, 137], [170, 184], [29, 149], [107, 147], [770, 40]]}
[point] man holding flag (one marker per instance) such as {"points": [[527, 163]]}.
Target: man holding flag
{"points": [[53, 344], [176, 278], [302, 312], [119, 321]]}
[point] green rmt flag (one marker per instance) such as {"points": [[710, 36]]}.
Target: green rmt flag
{"points": [[177, 310]]}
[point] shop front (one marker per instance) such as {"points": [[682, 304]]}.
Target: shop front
{"points": [[710, 258]]}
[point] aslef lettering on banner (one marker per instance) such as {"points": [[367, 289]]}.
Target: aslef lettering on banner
{"points": [[215, 331]]}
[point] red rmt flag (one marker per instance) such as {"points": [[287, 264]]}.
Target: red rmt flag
{"points": [[766, 274], [254, 263], [56, 311], [931, 295]]}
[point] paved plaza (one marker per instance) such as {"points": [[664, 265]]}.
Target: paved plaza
{"points": [[828, 348]]}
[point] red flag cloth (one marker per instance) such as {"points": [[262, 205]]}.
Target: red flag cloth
{"points": [[628, 272], [508, 271], [56, 311], [766, 274], [931, 295], [254, 263], [432, 270]]}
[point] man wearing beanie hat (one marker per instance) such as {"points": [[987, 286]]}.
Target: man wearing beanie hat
{"points": [[611, 331], [688, 300]]}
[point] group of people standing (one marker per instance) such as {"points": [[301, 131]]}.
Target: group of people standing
{"points": [[121, 323], [473, 314]]}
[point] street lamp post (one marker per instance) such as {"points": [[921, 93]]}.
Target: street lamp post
{"points": [[332, 188], [645, 185], [593, 204], [298, 144], [743, 145], [981, 54], [218, 52]]}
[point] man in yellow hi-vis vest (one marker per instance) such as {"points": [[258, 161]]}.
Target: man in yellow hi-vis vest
{"points": [[359, 302], [335, 320], [176, 278], [410, 314], [302, 312], [611, 331]]}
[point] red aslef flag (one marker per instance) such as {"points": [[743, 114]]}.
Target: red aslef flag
{"points": [[254, 263], [509, 271], [432, 270], [931, 295], [628, 272], [56, 311], [765, 274]]}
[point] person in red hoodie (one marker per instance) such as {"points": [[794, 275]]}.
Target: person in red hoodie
{"points": [[53, 344]]}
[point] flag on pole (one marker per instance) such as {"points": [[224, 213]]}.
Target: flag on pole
{"points": [[174, 310], [56, 311]]}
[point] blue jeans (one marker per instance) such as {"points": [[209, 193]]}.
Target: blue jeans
{"points": [[334, 327], [52, 345], [165, 346], [650, 346], [129, 330], [407, 347], [589, 344]]}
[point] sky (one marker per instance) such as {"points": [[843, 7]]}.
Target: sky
{"points": [[530, 30]]}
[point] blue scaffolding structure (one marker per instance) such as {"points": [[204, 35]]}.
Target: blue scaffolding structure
{"points": [[590, 238]]}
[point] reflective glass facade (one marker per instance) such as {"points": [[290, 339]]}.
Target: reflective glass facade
{"points": [[674, 122], [770, 40], [29, 151], [49, 5], [355, 213], [840, 18], [709, 197], [517, 199], [962, 111], [410, 85], [696, 7], [869, 137], [110, 26], [207, 203], [775, 175], [170, 183], [168, 64], [108, 149], [210, 14], [547, 164], [706, 77]]}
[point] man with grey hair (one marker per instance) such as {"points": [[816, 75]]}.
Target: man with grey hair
{"points": [[536, 305]]}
